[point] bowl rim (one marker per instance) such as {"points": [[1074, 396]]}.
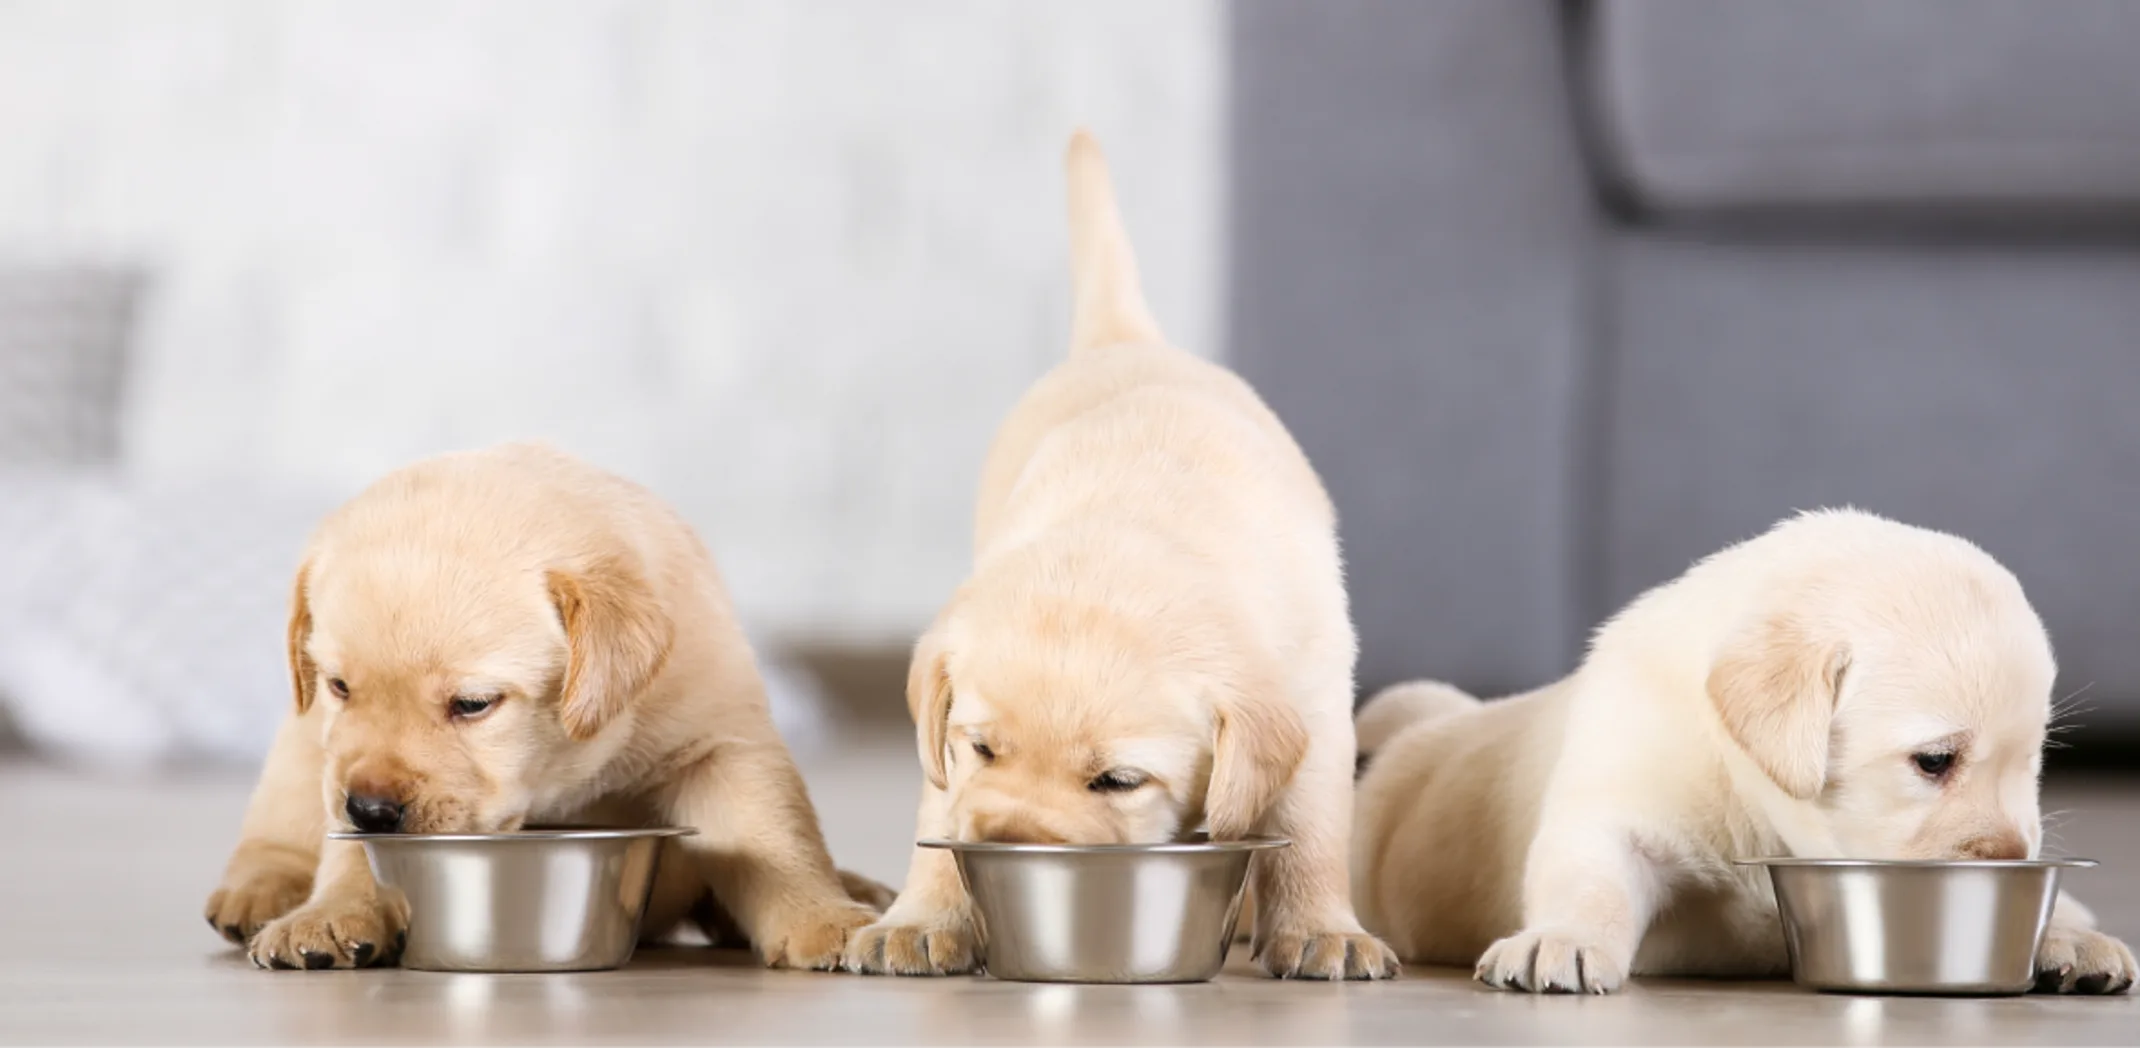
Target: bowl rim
{"points": [[604, 833], [1206, 847], [1919, 864]]}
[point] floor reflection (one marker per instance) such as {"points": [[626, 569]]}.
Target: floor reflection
{"points": [[1064, 1013]]}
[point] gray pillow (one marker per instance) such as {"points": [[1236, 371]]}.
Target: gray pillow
{"points": [[64, 336]]}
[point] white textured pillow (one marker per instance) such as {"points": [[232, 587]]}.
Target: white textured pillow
{"points": [[143, 624]]}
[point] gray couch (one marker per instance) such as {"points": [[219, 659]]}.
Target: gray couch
{"points": [[1560, 297]]}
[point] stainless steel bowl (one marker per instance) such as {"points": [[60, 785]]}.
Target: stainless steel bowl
{"points": [[1107, 913], [1967, 927], [564, 900]]}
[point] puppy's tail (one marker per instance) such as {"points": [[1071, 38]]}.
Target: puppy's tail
{"points": [[1108, 297], [1400, 706]]}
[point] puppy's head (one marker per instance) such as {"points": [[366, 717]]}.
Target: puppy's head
{"points": [[1902, 688], [457, 689], [1055, 721]]}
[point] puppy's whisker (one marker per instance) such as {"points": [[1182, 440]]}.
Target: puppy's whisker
{"points": [[2078, 691], [2069, 706]]}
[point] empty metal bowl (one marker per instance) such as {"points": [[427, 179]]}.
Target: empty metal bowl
{"points": [[563, 900], [1107, 913], [1967, 927]]}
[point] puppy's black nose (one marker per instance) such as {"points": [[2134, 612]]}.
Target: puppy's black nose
{"points": [[373, 814]]}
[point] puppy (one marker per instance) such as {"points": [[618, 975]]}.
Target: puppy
{"points": [[1154, 636], [1841, 686], [509, 637]]}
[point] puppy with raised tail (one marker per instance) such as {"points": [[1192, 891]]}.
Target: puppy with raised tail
{"points": [[1154, 636], [1841, 686], [498, 638]]}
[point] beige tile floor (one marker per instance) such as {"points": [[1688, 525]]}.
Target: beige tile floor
{"points": [[101, 942]]}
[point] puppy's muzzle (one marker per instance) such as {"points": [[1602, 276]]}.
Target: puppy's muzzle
{"points": [[1012, 828], [374, 814], [1995, 846]]}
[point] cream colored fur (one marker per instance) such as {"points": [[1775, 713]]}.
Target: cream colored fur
{"points": [[1154, 636], [1771, 701], [623, 693]]}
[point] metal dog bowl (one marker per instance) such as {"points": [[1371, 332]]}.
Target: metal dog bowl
{"points": [[1969, 927], [564, 900], [1107, 913]]}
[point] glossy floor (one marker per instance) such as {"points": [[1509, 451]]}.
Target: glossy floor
{"points": [[101, 942]]}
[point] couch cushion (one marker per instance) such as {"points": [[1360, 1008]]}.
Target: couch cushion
{"points": [[1979, 390], [1705, 104]]}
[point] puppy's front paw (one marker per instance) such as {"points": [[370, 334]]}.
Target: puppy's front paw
{"points": [[815, 939], [332, 933], [2078, 960], [1326, 955], [1551, 962], [253, 894], [943, 945]]}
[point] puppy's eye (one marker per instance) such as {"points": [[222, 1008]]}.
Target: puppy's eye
{"points": [[1933, 765], [467, 706], [1120, 780], [981, 750], [338, 687]]}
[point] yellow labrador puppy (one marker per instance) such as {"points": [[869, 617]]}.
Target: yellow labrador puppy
{"points": [[510, 636], [1841, 686], [1154, 636]]}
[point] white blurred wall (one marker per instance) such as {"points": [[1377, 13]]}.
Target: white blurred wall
{"points": [[787, 262]]}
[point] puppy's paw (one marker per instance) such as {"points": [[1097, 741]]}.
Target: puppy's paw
{"points": [[867, 892], [1551, 962], [2078, 960], [254, 894], [815, 939], [943, 945], [332, 933], [1326, 955]]}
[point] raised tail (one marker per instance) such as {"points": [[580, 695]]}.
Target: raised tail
{"points": [[1400, 706], [1107, 294]]}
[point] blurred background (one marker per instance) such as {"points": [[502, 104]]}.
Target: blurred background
{"points": [[787, 264], [1558, 296]]}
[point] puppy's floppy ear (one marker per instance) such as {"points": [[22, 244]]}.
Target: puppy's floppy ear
{"points": [[619, 639], [1776, 685], [929, 701], [304, 674], [1260, 741]]}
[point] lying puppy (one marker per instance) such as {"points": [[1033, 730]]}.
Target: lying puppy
{"points": [[1842, 686], [510, 636], [1154, 636]]}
